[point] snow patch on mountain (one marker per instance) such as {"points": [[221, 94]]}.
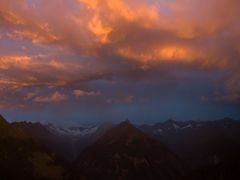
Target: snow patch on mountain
{"points": [[187, 126], [175, 126], [76, 131]]}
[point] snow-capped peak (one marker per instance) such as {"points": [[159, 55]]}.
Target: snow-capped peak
{"points": [[76, 131], [187, 126]]}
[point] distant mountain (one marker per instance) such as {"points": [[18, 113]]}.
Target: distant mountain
{"points": [[72, 131], [22, 158], [199, 144], [124, 152], [67, 143]]}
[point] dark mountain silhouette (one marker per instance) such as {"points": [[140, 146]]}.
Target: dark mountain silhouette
{"points": [[210, 150], [7, 131], [22, 158], [170, 150], [124, 152]]}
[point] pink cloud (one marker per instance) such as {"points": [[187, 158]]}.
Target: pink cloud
{"points": [[102, 39], [53, 98], [80, 93]]}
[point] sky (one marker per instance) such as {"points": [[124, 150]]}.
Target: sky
{"points": [[88, 61]]}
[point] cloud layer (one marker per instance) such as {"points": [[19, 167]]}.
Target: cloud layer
{"points": [[87, 51]]}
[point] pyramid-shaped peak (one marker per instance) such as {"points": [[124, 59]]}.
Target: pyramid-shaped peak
{"points": [[126, 126], [126, 147], [123, 131], [126, 123]]}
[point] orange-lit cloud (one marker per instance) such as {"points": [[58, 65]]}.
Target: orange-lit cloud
{"points": [[166, 53], [81, 93], [21, 62], [53, 98], [62, 44]]}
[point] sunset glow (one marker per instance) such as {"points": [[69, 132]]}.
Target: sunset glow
{"points": [[119, 57]]}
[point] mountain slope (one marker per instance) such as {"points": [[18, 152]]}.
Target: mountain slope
{"points": [[41, 134], [124, 152], [7, 131], [198, 143], [67, 143], [22, 158]]}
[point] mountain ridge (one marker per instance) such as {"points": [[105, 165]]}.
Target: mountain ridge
{"points": [[130, 154], [168, 150]]}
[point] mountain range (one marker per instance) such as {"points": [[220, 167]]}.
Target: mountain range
{"points": [[168, 150]]}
